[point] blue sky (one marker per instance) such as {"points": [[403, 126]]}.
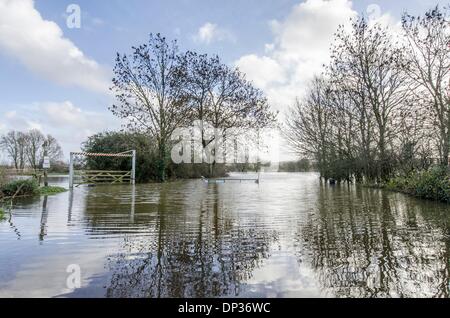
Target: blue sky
{"points": [[53, 78]]}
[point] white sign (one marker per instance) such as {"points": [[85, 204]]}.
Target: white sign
{"points": [[46, 164]]}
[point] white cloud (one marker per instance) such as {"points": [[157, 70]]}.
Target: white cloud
{"points": [[301, 47], [299, 50], [41, 46], [69, 124], [210, 32], [264, 71]]}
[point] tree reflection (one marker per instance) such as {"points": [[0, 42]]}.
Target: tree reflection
{"points": [[369, 243], [44, 217], [193, 245]]}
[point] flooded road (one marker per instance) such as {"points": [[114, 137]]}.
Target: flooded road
{"points": [[289, 236]]}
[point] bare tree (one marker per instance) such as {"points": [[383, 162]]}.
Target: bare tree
{"points": [[54, 151], [34, 148], [372, 115], [309, 125], [353, 106], [428, 53], [26, 148], [14, 143], [221, 96], [368, 57], [148, 85]]}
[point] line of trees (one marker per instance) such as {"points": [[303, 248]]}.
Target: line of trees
{"points": [[382, 105], [26, 149], [302, 165], [158, 88]]}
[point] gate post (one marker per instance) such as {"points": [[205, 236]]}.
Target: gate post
{"points": [[133, 168], [71, 171]]}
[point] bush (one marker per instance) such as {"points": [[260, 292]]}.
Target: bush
{"points": [[431, 184], [115, 142], [27, 187], [2, 214]]}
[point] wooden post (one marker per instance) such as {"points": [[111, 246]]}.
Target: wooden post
{"points": [[133, 168], [71, 171]]}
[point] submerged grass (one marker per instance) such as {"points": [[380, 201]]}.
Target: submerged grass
{"points": [[51, 190]]}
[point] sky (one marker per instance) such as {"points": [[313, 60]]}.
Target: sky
{"points": [[55, 77]]}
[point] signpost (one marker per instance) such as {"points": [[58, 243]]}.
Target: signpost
{"points": [[46, 164]]}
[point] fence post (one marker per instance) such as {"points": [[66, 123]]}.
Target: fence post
{"points": [[71, 171], [133, 168]]}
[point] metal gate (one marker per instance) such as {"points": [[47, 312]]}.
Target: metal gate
{"points": [[79, 177]]}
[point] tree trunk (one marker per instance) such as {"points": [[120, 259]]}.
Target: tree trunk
{"points": [[161, 168], [445, 137]]}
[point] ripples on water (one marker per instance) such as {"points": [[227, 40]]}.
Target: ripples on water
{"points": [[289, 236]]}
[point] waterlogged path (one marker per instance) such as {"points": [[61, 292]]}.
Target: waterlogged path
{"points": [[289, 236]]}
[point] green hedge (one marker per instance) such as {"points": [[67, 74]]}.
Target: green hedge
{"points": [[431, 184]]}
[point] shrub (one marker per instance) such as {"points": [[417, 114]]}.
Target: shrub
{"points": [[20, 187], [432, 184], [115, 142]]}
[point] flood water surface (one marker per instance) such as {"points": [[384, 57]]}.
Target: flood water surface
{"points": [[289, 236]]}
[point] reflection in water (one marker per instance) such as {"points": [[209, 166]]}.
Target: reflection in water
{"points": [[200, 255], [44, 217], [14, 229], [288, 236], [369, 243]]}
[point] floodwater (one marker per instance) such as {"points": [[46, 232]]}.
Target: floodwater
{"points": [[289, 236]]}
